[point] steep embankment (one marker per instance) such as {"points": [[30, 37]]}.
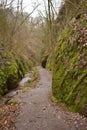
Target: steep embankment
{"points": [[70, 63]]}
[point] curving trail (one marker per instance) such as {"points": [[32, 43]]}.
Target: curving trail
{"points": [[37, 112]]}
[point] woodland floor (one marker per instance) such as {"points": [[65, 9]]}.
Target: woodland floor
{"points": [[37, 112]]}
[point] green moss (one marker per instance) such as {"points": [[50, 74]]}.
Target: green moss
{"points": [[54, 99], [24, 89], [1, 111], [69, 82], [49, 65], [11, 71], [14, 102]]}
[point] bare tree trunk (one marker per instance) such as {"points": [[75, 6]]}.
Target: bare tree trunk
{"points": [[49, 22]]}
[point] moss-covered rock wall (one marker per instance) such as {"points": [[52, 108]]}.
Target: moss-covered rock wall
{"points": [[69, 83], [12, 69]]}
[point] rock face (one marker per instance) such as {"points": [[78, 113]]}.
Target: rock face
{"points": [[24, 80], [11, 71], [70, 65]]}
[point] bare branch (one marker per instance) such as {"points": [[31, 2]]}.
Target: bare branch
{"points": [[25, 19]]}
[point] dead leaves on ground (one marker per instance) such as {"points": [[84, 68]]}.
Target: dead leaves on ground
{"points": [[7, 117]]}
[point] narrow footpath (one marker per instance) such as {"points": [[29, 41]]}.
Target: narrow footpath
{"points": [[38, 112]]}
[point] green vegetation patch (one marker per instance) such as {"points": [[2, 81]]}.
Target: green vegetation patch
{"points": [[32, 83]]}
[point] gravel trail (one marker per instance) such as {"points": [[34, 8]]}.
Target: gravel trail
{"points": [[37, 112]]}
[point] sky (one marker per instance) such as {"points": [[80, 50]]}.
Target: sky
{"points": [[30, 4]]}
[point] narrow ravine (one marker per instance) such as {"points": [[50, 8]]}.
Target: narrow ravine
{"points": [[37, 112]]}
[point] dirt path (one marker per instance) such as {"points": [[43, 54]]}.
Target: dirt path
{"points": [[37, 112]]}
